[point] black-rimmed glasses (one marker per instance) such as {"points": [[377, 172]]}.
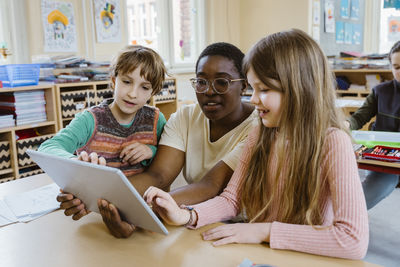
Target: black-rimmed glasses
{"points": [[219, 85]]}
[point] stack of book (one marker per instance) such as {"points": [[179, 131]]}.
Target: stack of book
{"points": [[6, 120], [26, 107]]}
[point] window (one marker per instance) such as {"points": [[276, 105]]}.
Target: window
{"points": [[174, 28], [389, 30]]}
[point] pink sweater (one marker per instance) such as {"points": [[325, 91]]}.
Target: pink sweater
{"points": [[345, 211]]}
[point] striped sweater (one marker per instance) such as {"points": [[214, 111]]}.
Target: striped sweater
{"points": [[344, 212], [109, 137]]}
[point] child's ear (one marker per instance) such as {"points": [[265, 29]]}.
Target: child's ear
{"points": [[113, 83]]}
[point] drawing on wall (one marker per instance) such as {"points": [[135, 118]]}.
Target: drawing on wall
{"points": [[357, 34], [339, 32], [393, 28], [58, 26], [348, 33], [329, 15], [316, 11], [107, 18], [391, 4], [355, 9], [344, 9]]}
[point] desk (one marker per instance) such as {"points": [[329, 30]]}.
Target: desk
{"points": [[379, 166], [55, 240]]}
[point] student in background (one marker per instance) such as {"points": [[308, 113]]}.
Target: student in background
{"points": [[122, 132], [384, 103], [203, 140], [297, 180]]}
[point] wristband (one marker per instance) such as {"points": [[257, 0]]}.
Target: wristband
{"points": [[190, 221]]}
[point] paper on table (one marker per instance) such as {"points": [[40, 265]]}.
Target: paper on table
{"points": [[6, 215], [30, 205]]}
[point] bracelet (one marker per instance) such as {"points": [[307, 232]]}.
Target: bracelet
{"points": [[190, 221]]}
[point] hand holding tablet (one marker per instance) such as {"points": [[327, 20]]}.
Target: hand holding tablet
{"points": [[90, 182]]}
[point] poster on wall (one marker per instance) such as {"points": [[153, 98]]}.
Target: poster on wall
{"points": [[107, 16], [339, 32], [357, 31], [393, 28], [58, 26], [355, 9], [344, 9], [348, 33], [329, 17]]}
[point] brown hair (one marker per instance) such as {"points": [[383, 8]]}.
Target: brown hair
{"points": [[308, 110], [395, 48], [133, 56]]}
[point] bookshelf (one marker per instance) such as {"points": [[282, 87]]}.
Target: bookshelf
{"points": [[75, 97], [355, 97], [63, 101], [14, 163]]}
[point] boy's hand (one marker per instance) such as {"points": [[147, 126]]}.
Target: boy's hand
{"points": [[72, 206], [135, 153], [92, 158], [113, 221]]}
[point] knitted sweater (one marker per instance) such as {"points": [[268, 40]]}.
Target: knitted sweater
{"points": [[344, 214], [110, 138]]}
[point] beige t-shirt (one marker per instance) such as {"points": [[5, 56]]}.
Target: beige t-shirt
{"points": [[189, 131]]}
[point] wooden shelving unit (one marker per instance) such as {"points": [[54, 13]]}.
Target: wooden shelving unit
{"points": [[75, 97], [357, 76], [13, 149], [63, 101]]}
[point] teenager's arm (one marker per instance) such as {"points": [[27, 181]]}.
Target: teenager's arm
{"points": [[365, 113], [208, 187]]}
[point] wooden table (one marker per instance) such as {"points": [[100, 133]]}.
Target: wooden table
{"points": [[57, 240], [379, 166]]}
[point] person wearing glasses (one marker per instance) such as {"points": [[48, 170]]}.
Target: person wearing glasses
{"points": [[203, 140]]}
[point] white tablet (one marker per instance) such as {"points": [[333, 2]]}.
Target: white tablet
{"points": [[90, 182]]}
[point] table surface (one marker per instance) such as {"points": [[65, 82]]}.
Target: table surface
{"points": [[379, 166], [57, 240]]}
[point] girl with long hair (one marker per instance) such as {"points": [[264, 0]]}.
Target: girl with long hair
{"points": [[297, 182]]}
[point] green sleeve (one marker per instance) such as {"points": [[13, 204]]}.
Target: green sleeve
{"points": [[160, 127], [365, 113], [74, 136]]}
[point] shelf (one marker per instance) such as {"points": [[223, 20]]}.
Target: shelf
{"points": [[355, 94], [165, 101], [10, 134], [28, 126], [5, 171], [40, 86], [363, 70]]}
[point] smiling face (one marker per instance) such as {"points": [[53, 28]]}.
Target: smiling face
{"points": [[267, 101], [216, 106], [132, 92]]}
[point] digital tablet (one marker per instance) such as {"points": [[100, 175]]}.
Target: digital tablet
{"points": [[90, 182]]}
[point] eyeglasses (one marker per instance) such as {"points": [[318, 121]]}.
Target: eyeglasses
{"points": [[219, 85]]}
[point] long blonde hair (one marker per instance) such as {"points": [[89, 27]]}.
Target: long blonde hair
{"points": [[308, 110]]}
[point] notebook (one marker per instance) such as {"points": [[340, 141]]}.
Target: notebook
{"points": [[90, 182]]}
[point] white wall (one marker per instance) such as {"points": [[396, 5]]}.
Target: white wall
{"points": [[240, 22]]}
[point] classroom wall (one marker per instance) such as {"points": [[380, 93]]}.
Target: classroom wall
{"points": [[240, 22], [86, 37], [262, 17]]}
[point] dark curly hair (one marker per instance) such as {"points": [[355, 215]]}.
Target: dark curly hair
{"points": [[226, 50]]}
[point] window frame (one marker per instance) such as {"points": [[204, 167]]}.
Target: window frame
{"points": [[165, 34]]}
